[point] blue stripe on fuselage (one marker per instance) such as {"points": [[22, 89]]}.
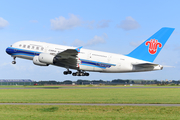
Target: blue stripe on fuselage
{"points": [[96, 64], [16, 51]]}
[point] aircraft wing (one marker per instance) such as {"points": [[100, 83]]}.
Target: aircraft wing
{"points": [[69, 52], [68, 58], [145, 65]]}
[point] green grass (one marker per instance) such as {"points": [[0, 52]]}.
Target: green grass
{"points": [[132, 95], [21, 112], [68, 112]]}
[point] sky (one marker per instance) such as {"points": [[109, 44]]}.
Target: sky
{"points": [[116, 26]]}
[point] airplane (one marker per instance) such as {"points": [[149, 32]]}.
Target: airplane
{"points": [[83, 60]]}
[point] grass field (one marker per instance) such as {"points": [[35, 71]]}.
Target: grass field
{"points": [[20, 112], [132, 95], [68, 112]]}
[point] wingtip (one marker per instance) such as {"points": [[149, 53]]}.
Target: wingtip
{"points": [[78, 49], [168, 28]]}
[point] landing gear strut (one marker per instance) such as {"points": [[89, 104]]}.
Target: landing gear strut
{"points": [[14, 61]]}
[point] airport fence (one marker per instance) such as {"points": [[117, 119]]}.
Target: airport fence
{"points": [[16, 83]]}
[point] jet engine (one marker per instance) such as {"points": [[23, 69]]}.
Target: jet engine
{"points": [[46, 58], [37, 62]]}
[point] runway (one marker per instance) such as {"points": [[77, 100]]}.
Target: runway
{"points": [[80, 87], [84, 104]]}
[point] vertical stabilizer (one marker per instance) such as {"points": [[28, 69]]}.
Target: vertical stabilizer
{"points": [[149, 49]]}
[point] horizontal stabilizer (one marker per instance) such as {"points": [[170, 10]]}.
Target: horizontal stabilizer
{"points": [[145, 65]]}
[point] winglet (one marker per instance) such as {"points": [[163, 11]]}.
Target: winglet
{"points": [[78, 49]]}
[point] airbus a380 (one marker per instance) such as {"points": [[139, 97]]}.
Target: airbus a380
{"points": [[83, 60]]}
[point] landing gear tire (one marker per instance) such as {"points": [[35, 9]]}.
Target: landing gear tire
{"points": [[77, 74], [13, 62], [86, 74], [74, 74], [67, 72], [80, 74]]}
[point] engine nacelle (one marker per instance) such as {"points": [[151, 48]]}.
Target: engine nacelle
{"points": [[46, 58], [37, 62]]}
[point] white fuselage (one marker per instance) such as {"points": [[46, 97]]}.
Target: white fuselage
{"points": [[87, 60]]}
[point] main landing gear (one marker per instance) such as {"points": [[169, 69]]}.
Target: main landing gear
{"points": [[78, 73], [14, 61], [67, 72]]}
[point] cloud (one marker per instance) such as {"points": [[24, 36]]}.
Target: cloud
{"points": [[177, 48], [96, 40], [3, 23], [78, 42], [23, 67], [62, 23], [16, 66], [103, 24], [90, 24], [135, 44], [33, 21], [5, 64], [129, 24]]}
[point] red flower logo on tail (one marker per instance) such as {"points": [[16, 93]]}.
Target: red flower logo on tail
{"points": [[153, 44]]}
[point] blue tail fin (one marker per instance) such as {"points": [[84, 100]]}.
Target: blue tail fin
{"points": [[149, 49]]}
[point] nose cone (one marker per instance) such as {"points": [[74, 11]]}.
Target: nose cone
{"points": [[9, 50]]}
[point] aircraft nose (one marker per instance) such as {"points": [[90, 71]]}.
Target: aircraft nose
{"points": [[8, 51]]}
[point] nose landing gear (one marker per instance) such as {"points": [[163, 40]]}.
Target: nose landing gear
{"points": [[14, 61]]}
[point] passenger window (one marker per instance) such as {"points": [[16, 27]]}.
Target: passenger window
{"points": [[42, 48], [20, 45], [28, 46], [37, 48], [24, 46], [32, 47]]}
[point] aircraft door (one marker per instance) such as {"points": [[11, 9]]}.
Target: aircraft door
{"points": [[109, 58], [89, 56]]}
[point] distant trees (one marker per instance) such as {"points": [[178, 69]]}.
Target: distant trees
{"points": [[113, 82]]}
